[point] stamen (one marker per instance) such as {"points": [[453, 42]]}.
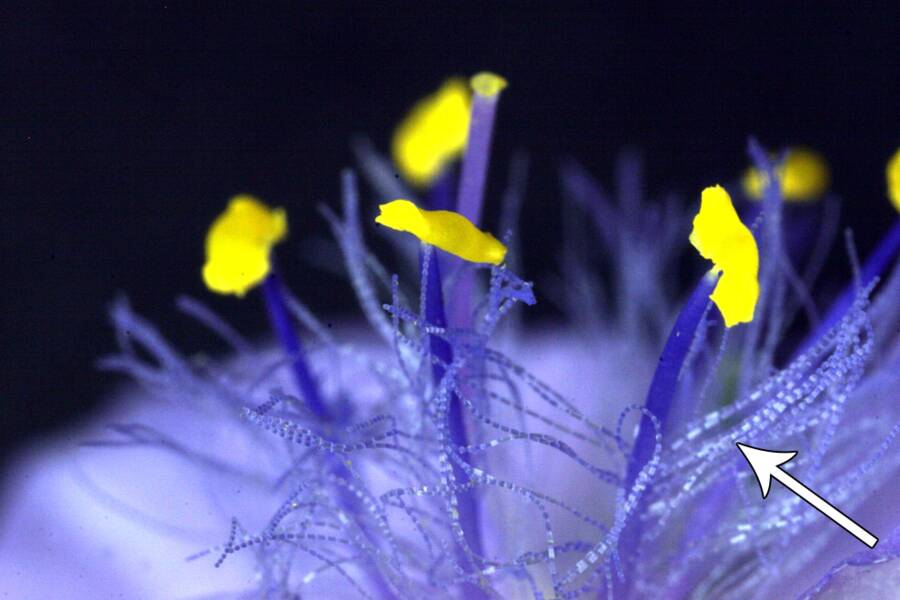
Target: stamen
{"points": [[238, 258], [455, 234], [802, 177], [719, 235]]}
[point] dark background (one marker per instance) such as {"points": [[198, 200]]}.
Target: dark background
{"points": [[128, 126]]}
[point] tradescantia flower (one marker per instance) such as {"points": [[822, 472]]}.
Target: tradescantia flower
{"points": [[443, 449]]}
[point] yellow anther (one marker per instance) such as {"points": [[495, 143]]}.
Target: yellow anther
{"points": [[444, 229], [719, 236], [803, 176], [892, 172], [433, 134], [487, 84], [238, 245]]}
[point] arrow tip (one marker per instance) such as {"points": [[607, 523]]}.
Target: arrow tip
{"points": [[764, 463]]}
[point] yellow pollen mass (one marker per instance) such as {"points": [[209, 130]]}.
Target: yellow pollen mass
{"points": [[444, 229], [433, 134], [892, 172], [487, 84], [720, 236], [238, 244], [803, 176]]}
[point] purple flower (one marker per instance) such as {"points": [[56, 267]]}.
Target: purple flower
{"points": [[461, 453]]}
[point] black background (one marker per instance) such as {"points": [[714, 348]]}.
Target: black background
{"points": [[127, 126]]}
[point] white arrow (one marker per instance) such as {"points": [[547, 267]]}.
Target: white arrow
{"points": [[766, 464]]}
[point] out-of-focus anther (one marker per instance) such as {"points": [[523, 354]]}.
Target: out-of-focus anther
{"points": [[802, 176], [433, 134]]}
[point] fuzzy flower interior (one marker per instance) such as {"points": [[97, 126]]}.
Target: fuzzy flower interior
{"points": [[418, 453]]}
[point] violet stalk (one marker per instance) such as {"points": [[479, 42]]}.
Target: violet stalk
{"points": [[486, 89], [440, 198], [658, 403], [878, 261], [293, 347]]}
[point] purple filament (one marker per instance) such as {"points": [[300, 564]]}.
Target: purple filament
{"points": [[440, 195], [665, 378], [443, 353], [659, 402], [470, 198], [875, 265], [477, 156], [281, 323]]}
